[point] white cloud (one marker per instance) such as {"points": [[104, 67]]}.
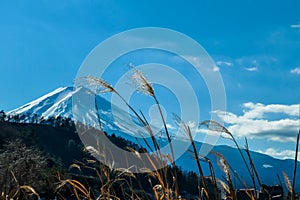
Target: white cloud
{"points": [[258, 110], [253, 63], [295, 70], [252, 69], [224, 63], [216, 69], [295, 26], [169, 126], [267, 166], [255, 121], [284, 154], [253, 66], [191, 124], [199, 61]]}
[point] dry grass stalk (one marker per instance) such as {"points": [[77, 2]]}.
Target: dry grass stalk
{"points": [[136, 153], [154, 141], [76, 188], [89, 81], [156, 173], [287, 182], [215, 126], [157, 162], [251, 195], [75, 166], [223, 164], [97, 82], [223, 185], [252, 163], [30, 190], [144, 85], [124, 172], [295, 163], [252, 168], [212, 174], [99, 85], [107, 176], [25, 189], [187, 130]]}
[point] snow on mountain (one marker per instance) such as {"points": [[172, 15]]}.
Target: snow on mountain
{"points": [[55, 103], [60, 103]]}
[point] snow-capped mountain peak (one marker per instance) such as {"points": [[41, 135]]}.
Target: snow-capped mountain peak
{"points": [[55, 103]]}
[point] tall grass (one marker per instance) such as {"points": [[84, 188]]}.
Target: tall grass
{"points": [[217, 127], [212, 175], [145, 86], [226, 169], [253, 169], [159, 177], [295, 164], [187, 130]]}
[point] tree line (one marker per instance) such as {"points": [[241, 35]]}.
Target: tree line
{"points": [[31, 118]]}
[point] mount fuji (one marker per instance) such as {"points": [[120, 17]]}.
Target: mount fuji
{"points": [[60, 102], [53, 104], [67, 102]]}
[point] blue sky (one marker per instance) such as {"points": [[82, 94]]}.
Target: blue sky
{"points": [[255, 44]]}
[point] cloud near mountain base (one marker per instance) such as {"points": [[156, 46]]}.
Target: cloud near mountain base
{"points": [[275, 122]]}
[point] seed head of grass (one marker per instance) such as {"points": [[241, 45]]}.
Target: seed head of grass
{"points": [[91, 150], [225, 167], [77, 187], [124, 172], [287, 182], [143, 85], [222, 162], [215, 126], [97, 85], [75, 166], [183, 126], [223, 185], [30, 190], [135, 152]]}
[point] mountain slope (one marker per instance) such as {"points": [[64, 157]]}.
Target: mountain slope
{"points": [[55, 103], [59, 103]]}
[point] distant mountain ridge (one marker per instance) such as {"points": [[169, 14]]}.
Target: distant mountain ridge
{"points": [[59, 103]]}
